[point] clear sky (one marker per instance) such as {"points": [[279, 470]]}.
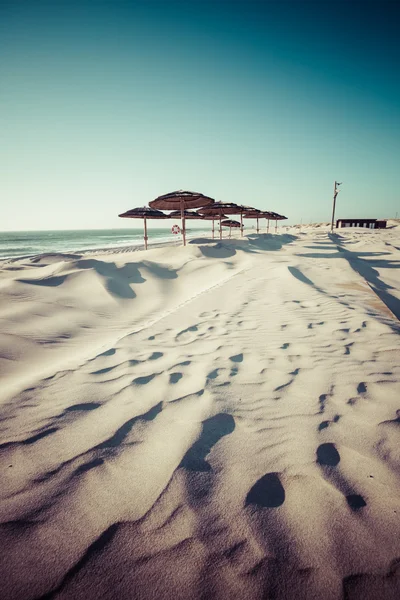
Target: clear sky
{"points": [[105, 105]]}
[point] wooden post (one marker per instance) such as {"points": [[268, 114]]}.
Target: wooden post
{"points": [[335, 193], [183, 223], [334, 206], [145, 234]]}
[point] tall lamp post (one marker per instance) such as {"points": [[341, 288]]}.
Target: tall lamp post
{"points": [[335, 193]]}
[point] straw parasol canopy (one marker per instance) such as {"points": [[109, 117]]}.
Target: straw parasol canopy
{"points": [[243, 209], [265, 214], [220, 209], [275, 217], [230, 223], [143, 213], [213, 218], [270, 216], [188, 214], [253, 214], [278, 218], [181, 200]]}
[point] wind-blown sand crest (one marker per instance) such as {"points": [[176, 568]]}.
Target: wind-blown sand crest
{"points": [[216, 421]]}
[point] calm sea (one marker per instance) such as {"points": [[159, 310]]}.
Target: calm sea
{"points": [[14, 244]]}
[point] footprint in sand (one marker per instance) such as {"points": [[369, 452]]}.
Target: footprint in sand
{"points": [[213, 430], [327, 455], [175, 377], [237, 358], [267, 492], [361, 388], [190, 334], [83, 406], [322, 401], [218, 377], [184, 363], [355, 501], [213, 374], [144, 380], [213, 314], [325, 424]]}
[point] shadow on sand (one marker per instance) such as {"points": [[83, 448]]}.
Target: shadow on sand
{"points": [[363, 264], [117, 280], [253, 244]]}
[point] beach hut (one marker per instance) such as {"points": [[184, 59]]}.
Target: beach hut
{"points": [[230, 223], [365, 223], [181, 200], [143, 213]]}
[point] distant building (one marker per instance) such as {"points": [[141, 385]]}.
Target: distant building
{"points": [[366, 223]]}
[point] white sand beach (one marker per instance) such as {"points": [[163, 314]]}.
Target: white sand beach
{"points": [[220, 421]]}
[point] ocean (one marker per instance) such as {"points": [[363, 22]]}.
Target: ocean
{"points": [[14, 244]]}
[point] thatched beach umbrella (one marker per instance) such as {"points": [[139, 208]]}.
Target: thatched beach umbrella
{"points": [[143, 213], [188, 214], [269, 216], [253, 214], [220, 209], [278, 218], [230, 223], [243, 210], [265, 214], [212, 218], [180, 200]]}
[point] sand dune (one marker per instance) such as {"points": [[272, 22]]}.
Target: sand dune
{"points": [[216, 421]]}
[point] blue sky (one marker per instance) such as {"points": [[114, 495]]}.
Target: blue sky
{"points": [[105, 105]]}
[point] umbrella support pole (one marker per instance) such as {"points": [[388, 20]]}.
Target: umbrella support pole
{"points": [[230, 232], [213, 223], [220, 227], [183, 224], [267, 225], [145, 234], [276, 226], [258, 229], [241, 224]]}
